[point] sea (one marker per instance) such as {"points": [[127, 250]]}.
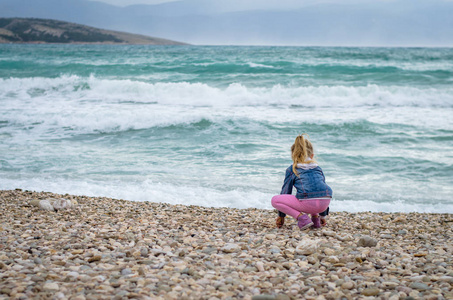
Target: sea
{"points": [[213, 125]]}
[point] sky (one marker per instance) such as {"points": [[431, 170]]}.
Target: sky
{"points": [[255, 3], [237, 5], [132, 2], [384, 22], [259, 22]]}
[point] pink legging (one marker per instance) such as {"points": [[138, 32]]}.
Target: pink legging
{"points": [[292, 206]]}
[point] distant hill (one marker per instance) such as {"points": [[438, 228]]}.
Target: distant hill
{"points": [[31, 30]]}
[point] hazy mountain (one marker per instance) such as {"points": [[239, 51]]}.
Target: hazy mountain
{"points": [[391, 23], [32, 30]]}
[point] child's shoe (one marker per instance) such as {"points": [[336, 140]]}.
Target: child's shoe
{"points": [[304, 222], [316, 221]]}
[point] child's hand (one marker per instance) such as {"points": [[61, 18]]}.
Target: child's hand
{"points": [[280, 221], [323, 221]]}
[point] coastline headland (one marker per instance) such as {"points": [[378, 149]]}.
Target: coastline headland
{"points": [[103, 248], [47, 31]]}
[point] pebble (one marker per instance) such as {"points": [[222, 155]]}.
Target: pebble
{"points": [[371, 291], [270, 236], [347, 285], [230, 248], [37, 260], [117, 249], [448, 279], [46, 205], [389, 285], [274, 250], [73, 274], [144, 252], [94, 258], [260, 266], [37, 278], [404, 289], [51, 286], [126, 271], [367, 241], [60, 204], [328, 251], [307, 246], [385, 236], [419, 286], [263, 297], [5, 291]]}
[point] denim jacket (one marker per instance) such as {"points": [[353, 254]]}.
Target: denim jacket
{"points": [[310, 183]]}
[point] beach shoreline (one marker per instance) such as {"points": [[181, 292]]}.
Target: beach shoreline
{"points": [[103, 248]]}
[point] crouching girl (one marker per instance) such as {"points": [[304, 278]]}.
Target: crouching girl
{"points": [[312, 193]]}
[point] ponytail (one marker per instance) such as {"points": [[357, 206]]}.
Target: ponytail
{"points": [[301, 151]]}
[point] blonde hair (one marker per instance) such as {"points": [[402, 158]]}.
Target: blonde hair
{"points": [[302, 151]]}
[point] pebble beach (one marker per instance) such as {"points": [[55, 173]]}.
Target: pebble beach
{"points": [[103, 248]]}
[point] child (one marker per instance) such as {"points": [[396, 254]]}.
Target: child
{"points": [[313, 194]]}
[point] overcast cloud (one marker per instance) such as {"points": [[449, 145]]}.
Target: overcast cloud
{"points": [[236, 5], [259, 22]]}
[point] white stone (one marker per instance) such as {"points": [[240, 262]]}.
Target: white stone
{"points": [[329, 251], [348, 285], [333, 259], [62, 204], [344, 237], [231, 247], [307, 247], [329, 233], [100, 278], [17, 267], [73, 274], [51, 286], [260, 266], [446, 279], [45, 205], [270, 236], [367, 241], [60, 296]]}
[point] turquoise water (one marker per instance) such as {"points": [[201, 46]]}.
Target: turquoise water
{"points": [[213, 126]]}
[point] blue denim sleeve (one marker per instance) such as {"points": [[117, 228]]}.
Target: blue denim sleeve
{"points": [[287, 187], [288, 184]]}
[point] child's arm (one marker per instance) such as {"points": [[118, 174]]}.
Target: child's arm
{"points": [[288, 183], [287, 187]]}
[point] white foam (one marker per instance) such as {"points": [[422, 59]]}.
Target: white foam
{"points": [[391, 206], [409, 65], [145, 191], [71, 105], [200, 94], [208, 197], [256, 65]]}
